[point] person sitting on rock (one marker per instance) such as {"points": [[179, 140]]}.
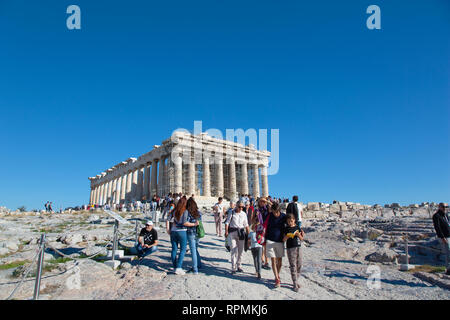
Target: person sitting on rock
{"points": [[147, 241]]}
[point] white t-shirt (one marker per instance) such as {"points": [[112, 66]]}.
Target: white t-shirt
{"points": [[219, 207]]}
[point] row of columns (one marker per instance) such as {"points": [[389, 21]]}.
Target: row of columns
{"points": [[153, 178], [137, 184], [218, 180]]}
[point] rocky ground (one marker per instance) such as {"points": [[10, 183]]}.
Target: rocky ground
{"points": [[341, 252]]}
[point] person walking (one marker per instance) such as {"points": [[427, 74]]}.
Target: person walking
{"points": [[235, 228], [274, 240], [296, 209], [255, 247], [219, 210], [441, 222], [263, 210], [248, 210], [177, 229], [293, 236], [193, 217]]}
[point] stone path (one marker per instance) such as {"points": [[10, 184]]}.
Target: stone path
{"points": [[324, 276]]}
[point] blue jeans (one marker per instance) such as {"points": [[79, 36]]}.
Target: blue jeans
{"points": [[143, 252], [193, 245], [178, 237]]}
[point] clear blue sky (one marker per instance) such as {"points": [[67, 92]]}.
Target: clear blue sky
{"points": [[363, 114]]}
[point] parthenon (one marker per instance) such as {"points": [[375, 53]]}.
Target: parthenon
{"points": [[185, 163]]}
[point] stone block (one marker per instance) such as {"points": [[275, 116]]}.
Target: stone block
{"points": [[112, 264], [313, 206]]}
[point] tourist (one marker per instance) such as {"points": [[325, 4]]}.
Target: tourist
{"points": [[46, 206], [263, 210], [218, 216], [248, 210], [229, 210], [50, 209], [441, 222], [194, 216], [235, 227], [256, 248], [296, 209], [147, 240], [178, 233], [293, 236], [274, 240]]}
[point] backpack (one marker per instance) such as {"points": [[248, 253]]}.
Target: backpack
{"points": [[261, 230]]}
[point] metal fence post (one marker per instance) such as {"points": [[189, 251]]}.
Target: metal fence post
{"points": [[406, 249], [116, 227], [37, 284], [136, 229]]}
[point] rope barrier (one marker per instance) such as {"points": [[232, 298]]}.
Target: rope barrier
{"points": [[25, 273]]}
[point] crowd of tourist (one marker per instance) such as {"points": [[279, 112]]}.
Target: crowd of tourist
{"points": [[264, 226]]}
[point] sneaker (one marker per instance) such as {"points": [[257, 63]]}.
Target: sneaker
{"points": [[258, 275], [240, 270], [266, 266], [180, 271], [295, 287]]}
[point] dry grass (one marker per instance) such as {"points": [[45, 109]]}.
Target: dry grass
{"points": [[428, 268]]}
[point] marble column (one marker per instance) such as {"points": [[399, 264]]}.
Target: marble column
{"points": [[123, 187], [178, 173], [264, 182], [206, 178], [129, 182], [102, 191], [153, 185], [255, 180], [146, 191], [134, 181], [109, 194], [166, 177], [191, 178], [96, 194], [244, 179], [140, 183], [232, 177], [219, 177], [114, 192], [91, 196], [161, 177]]}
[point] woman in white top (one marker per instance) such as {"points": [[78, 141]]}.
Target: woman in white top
{"points": [[235, 228]]}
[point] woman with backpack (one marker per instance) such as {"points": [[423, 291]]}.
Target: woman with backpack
{"points": [[194, 217], [176, 226]]}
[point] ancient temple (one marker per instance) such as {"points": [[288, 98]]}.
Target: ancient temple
{"points": [[197, 165]]}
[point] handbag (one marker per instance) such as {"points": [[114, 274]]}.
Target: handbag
{"points": [[200, 230]]}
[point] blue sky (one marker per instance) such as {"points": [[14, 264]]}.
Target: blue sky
{"points": [[363, 114]]}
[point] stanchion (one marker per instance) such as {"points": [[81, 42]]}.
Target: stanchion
{"points": [[37, 284], [137, 234], [406, 266], [116, 227]]}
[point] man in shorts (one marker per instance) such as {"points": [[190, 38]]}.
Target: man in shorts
{"points": [[274, 240]]}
